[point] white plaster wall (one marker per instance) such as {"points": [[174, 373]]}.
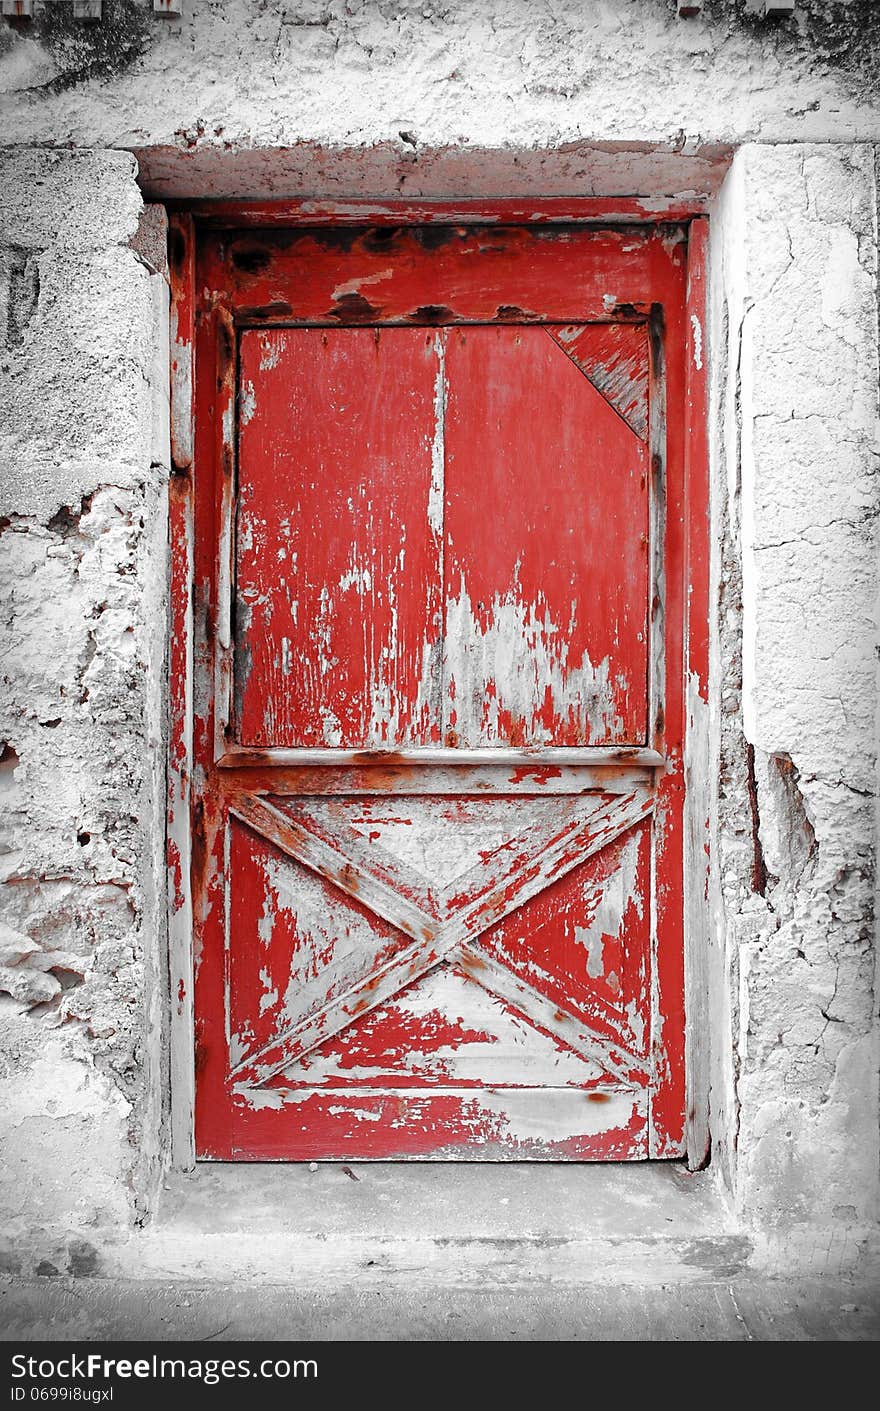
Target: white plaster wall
{"points": [[795, 581], [497, 74], [82, 591]]}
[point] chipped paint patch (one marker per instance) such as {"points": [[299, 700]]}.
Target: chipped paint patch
{"points": [[354, 286], [697, 331], [438, 451], [247, 403], [617, 895], [526, 1116], [507, 668]]}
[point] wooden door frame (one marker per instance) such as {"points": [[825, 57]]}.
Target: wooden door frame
{"points": [[183, 822]]}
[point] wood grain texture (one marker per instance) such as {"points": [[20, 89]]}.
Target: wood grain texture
{"points": [[545, 637], [338, 535]]}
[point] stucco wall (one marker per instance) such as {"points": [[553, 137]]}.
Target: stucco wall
{"points": [[795, 586], [336, 75], [83, 465], [505, 96]]}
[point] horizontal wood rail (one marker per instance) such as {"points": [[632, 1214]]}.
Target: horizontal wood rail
{"points": [[240, 757]]}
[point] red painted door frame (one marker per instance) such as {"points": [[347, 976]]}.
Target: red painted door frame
{"points": [[685, 445]]}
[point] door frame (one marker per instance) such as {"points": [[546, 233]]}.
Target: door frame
{"points": [[183, 830]]}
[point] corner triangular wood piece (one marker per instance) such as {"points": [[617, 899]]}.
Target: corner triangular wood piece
{"points": [[614, 357]]}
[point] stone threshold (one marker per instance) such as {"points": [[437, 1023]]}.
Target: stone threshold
{"points": [[452, 1224]]}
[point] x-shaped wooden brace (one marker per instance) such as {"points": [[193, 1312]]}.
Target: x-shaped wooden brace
{"points": [[450, 938]]}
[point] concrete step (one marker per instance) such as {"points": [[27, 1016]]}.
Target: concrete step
{"points": [[498, 1224]]}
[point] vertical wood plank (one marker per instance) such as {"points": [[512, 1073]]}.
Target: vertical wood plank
{"points": [[339, 537], [223, 428], [180, 671], [667, 432], [213, 477], [546, 550]]}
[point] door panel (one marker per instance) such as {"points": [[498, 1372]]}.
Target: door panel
{"points": [[438, 723], [584, 942], [338, 538], [298, 942], [546, 554], [384, 472]]}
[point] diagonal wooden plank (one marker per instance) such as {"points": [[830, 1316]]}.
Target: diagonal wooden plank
{"points": [[576, 846], [353, 829], [375, 989], [329, 862], [523, 847], [617, 1060]]}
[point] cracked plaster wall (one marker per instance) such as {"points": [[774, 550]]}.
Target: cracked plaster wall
{"points": [[502, 97], [82, 600], [795, 582]]}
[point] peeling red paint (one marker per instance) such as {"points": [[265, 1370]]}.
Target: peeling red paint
{"points": [[539, 775], [435, 1124], [367, 635], [545, 639], [435, 221]]}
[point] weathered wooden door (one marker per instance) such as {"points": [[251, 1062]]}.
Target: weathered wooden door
{"points": [[439, 595]]}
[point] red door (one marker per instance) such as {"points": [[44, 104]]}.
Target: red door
{"points": [[439, 601]]}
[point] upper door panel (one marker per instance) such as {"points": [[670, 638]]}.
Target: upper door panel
{"points": [[441, 537]]}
